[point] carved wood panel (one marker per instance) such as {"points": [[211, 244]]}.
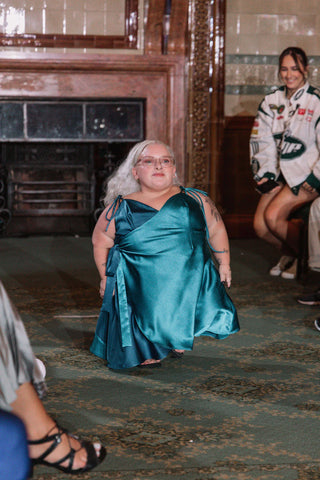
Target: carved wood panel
{"points": [[206, 90]]}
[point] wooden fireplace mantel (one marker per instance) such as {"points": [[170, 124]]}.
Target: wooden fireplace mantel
{"points": [[159, 79]]}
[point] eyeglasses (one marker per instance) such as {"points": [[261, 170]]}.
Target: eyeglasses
{"points": [[164, 162]]}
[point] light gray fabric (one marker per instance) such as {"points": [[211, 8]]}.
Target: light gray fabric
{"points": [[314, 235], [17, 361]]}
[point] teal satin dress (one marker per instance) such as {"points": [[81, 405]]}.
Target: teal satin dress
{"points": [[162, 287]]}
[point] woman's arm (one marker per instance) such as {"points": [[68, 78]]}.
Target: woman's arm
{"points": [[218, 239], [102, 240], [263, 148]]}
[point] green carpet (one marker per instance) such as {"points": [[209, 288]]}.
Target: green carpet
{"points": [[243, 408]]}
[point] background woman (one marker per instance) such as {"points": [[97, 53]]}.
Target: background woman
{"points": [[160, 288], [284, 147]]}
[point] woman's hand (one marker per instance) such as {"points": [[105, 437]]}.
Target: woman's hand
{"points": [[266, 186], [102, 286], [308, 187], [225, 274]]}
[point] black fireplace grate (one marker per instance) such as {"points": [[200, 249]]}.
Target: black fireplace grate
{"points": [[50, 179]]}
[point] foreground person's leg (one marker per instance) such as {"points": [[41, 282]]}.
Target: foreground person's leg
{"points": [[63, 450], [14, 457]]}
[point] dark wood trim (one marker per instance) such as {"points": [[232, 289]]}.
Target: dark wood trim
{"points": [[177, 44], [38, 40], [131, 24], [239, 122], [47, 62], [154, 27], [239, 226], [237, 197], [217, 81]]}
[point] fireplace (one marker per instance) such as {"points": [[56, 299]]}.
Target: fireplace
{"points": [[103, 103], [57, 154]]}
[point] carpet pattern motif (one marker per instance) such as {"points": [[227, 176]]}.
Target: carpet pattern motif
{"points": [[243, 408]]}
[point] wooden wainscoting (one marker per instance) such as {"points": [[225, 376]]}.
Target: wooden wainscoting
{"points": [[237, 198]]}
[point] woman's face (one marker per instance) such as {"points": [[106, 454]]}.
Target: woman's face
{"points": [[292, 77], [155, 169]]}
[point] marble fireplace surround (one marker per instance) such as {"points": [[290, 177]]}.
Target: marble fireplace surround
{"points": [[158, 79]]}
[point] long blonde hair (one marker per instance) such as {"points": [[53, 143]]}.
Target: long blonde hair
{"points": [[121, 181]]}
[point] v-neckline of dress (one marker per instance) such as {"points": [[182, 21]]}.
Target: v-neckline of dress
{"points": [[149, 206]]}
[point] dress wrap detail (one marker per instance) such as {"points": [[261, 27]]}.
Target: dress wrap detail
{"points": [[164, 271]]}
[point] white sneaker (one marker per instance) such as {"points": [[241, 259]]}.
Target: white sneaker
{"points": [[41, 367], [284, 263], [291, 272]]}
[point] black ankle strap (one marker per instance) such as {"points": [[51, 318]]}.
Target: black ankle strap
{"points": [[55, 438]]}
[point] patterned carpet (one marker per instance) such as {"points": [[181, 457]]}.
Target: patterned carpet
{"points": [[244, 408]]}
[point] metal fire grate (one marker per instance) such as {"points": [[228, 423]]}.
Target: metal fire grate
{"points": [[57, 153], [5, 214], [50, 179]]}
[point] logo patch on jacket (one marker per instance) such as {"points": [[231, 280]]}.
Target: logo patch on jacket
{"points": [[299, 94], [292, 148], [255, 166], [309, 115]]}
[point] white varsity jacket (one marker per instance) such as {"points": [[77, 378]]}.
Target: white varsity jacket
{"points": [[285, 138]]}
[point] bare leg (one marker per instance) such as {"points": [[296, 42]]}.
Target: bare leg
{"points": [[29, 408], [259, 222], [38, 423], [150, 361], [278, 211]]}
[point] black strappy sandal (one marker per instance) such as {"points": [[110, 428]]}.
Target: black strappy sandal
{"points": [[92, 459]]}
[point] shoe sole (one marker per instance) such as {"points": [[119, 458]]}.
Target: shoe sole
{"points": [[316, 324], [311, 302]]}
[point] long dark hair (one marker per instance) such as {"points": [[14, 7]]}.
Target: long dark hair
{"points": [[299, 56]]}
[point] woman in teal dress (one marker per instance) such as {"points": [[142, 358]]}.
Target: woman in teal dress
{"points": [[153, 247]]}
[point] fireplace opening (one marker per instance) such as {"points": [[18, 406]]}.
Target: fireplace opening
{"points": [[56, 155], [55, 188]]}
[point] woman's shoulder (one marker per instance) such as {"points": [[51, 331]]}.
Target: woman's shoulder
{"points": [[199, 196], [194, 192], [111, 209], [314, 92], [271, 102], [274, 94], [132, 196]]}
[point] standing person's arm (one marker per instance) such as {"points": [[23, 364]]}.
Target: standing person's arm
{"points": [[263, 148], [102, 240], [218, 239]]}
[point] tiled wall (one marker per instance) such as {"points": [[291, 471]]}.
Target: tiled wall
{"points": [[256, 33], [71, 17]]}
